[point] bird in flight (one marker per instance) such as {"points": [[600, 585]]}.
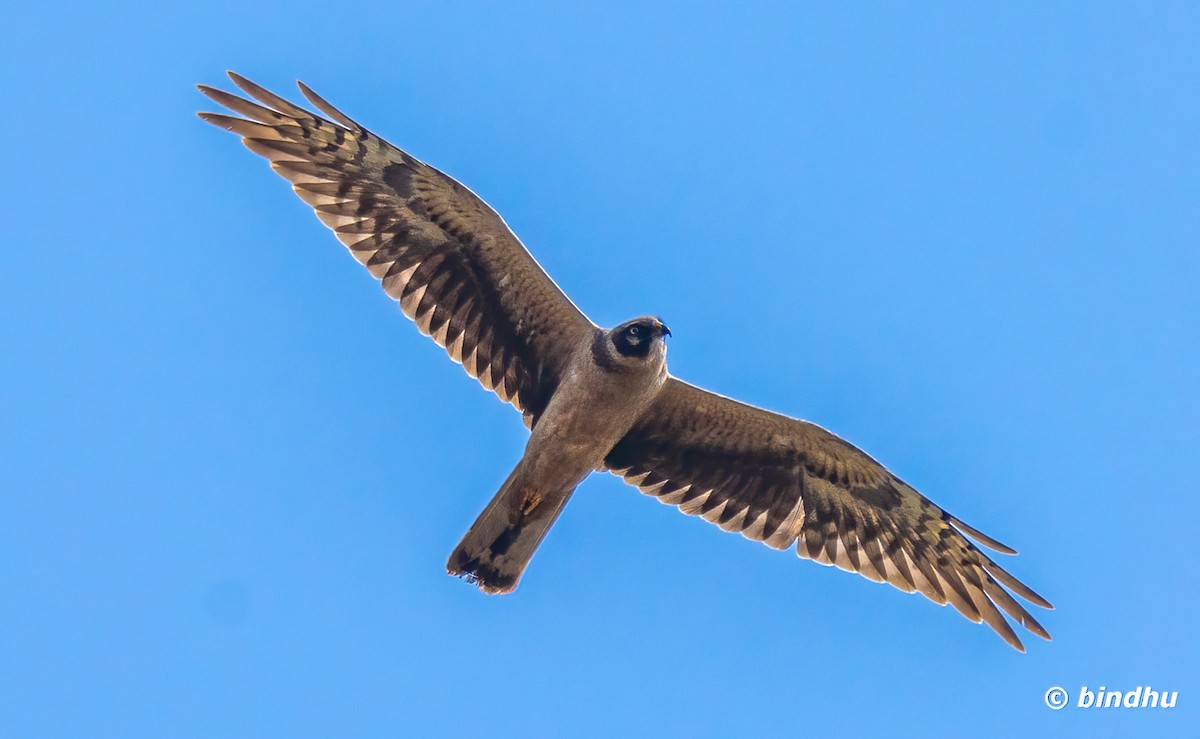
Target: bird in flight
{"points": [[599, 399]]}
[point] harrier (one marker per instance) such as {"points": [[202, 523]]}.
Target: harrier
{"points": [[600, 399]]}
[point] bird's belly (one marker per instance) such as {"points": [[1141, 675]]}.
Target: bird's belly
{"points": [[585, 420]]}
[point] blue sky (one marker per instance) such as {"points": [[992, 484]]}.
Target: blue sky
{"points": [[962, 237]]}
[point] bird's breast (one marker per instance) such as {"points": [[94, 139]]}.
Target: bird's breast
{"points": [[592, 410]]}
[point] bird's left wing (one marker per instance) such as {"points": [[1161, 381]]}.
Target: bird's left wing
{"points": [[782, 481], [441, 252]]}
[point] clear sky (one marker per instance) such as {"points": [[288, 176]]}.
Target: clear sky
{"points": [[965, 238]]}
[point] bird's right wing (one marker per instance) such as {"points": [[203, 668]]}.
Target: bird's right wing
{"points": [[441, 252], [787, 482]]}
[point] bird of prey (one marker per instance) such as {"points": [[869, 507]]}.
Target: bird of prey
{"points": [[600, 399]]}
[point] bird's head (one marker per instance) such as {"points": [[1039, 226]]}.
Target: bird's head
{"points": [[638, 337]]}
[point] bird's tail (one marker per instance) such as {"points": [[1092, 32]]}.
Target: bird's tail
{"points": [[499, 545]]}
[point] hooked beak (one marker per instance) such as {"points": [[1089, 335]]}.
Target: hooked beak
{"points": [[663, 328]]}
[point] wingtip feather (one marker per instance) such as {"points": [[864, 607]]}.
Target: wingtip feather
{"points": [[979, 536], [217, 119], [328, 109], [265, 96]]}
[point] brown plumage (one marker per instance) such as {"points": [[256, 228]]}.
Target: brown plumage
{"points": [[786, 482], [602, 399], [441, 252]]}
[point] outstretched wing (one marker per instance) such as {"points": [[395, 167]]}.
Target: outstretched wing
{"points": [[450, 260], [783, 481]]}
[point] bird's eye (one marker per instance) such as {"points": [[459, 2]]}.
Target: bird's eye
{"points": [[634, 330]]}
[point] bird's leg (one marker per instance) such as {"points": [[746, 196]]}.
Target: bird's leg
{"points": [[532, 501]]}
